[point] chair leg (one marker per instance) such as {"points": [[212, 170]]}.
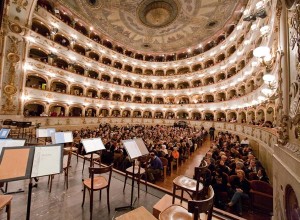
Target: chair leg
{"points": [[146, 180], [91, 203], [100, 194], [126, 175], [181, 196], [51, 180], [138, 183], [83, 165], [83, 196], [174, 192], [108, 200], [8, 210]]}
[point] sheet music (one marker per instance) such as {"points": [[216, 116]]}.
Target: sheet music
{"points": [[92, 144], [47, 160], [132, 149], [142, 146], [44, 132], [4, 132], [62, 137], [11, 143]]}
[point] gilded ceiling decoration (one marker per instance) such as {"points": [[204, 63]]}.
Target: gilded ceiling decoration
{"points": [[156, 25]]}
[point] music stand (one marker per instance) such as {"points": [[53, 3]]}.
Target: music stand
{"points": [[44, 133], [92, 145], [135, 148], [43, 156], [11, 143], [4, 132]]}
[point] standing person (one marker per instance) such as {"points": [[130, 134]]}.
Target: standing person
{"points": [[155, 167], [212, 133]]}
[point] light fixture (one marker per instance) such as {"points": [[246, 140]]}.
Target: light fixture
{"points": [[264, 56], [269, 79]]}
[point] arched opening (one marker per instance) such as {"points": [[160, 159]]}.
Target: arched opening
{"points": [[105, 78], [79, 49], [80, 28], [45, 4], [127, 98], [148, 86], [76, 90], [107, 44], [171, 57], [90, 112], [95, 37], [62, 40], [75, 111], [182, 115], [183, 100], [221, 97], [78, 69], [148, 100], [251, 117], [170, 115], [183, 70], [170, 86], [92, 93], [106, 61], [170, 72], [103, 112], [158, 114], [60, 63], [93, 74], [183, 85], [40, 28], [138, 85], [33, 109], [197, 83], [93, 55], [137, 114], [159, 100], [221, 116], [36, 82], [126, 113], [232, 117], [56, 110], [147, 114], [138, 71], [291, 203], [208, 98], [148, 72], [196, 116], [159, 86], [105, 95], [197, 67], [137, 99], [57, 86], [127, 82], [117, 81], [242, 117], [128, 68], [119, 49], [116, 113], [182, 56], [38, 54], [159, 73], [208, 116], [116, 97], [118, 65]]}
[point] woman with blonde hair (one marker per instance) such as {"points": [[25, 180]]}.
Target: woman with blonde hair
{"points": [[241, 188]]}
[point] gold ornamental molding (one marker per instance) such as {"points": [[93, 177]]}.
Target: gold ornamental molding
{"points": [[20, 4], [10, 88]]}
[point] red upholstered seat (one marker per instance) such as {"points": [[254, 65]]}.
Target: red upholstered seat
{"points": [[261, 196]]}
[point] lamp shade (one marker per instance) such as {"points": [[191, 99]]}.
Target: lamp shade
{"points": [[268, 78], [266, 91], [262, 51], [265, 29]]}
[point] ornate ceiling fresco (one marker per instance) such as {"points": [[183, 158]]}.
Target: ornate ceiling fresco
{"points": [[156, 25]]}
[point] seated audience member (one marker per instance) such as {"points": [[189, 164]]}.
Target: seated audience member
{"points": [[262, 176], [245, 142], [241, 188], [154, 168], [219, 184]]}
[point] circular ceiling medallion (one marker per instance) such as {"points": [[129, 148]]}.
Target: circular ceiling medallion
{"points": [[15, 28], [12, 57], [158, 13]]}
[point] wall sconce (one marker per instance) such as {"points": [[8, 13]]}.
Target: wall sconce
{"points": [[269, 79], [54, 30], [263, 54]]}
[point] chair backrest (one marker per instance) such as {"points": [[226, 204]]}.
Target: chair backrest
{"points": [[7, 122], [261, 186], [252, 176], [101, 170], [202, 206], [164, 161]]}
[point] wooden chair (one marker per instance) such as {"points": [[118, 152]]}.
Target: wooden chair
{"points": [[137, 172], [97, 183], [165, 166], [195, 207], [96, 157], [66, 165], [72, 148], [192, 186], [5, 201]]}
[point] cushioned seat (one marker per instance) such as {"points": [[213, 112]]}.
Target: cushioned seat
{"points": [[261, 196]]}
